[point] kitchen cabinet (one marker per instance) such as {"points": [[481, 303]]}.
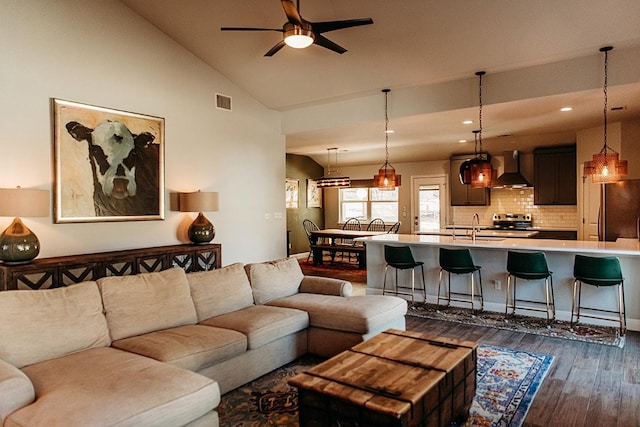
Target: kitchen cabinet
{"points": [[554, 175], [461, 194]]}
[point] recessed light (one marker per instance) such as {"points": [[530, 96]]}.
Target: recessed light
{"points": [[467, 122], [389, 131], [565, 109], [462, 141]]}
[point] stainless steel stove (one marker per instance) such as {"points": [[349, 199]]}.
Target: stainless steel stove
{"points": [[509, 221]]}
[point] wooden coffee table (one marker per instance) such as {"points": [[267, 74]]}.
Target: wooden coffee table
{"points": [[397, 378]]}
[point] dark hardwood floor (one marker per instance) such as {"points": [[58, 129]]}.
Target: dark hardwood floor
{"points": [[588, 384]]}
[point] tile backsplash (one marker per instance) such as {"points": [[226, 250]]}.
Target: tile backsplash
{"points": [[518, 201]]}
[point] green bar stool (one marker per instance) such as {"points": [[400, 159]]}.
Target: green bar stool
{"points": [[529, 266], [459, 261], [401, 258], [599, 272]]}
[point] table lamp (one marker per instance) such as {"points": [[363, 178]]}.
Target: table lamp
{"points": [[201, 229], [18, 244]]}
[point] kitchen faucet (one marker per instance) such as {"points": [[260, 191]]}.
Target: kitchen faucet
{"points": [[475, 226]]}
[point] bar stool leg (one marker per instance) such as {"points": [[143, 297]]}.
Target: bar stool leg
{"points": [[481, 293], [622, 309], [513, 303], [413, 284], [384, 282], [424, 286], [439, 286]]}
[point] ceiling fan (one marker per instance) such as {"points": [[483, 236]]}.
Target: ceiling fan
{"points": [[299, 33]]}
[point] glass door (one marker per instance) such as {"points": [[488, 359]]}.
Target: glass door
{"points": [[429, 201]]}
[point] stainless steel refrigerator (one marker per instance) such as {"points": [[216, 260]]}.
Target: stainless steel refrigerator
{"points": [[621, 210]]}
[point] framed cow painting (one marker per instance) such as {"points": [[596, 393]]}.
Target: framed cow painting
{"points": [[109, 164]]}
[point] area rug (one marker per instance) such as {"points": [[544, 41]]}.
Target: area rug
{"points": [[507, 382], [532, 325]]}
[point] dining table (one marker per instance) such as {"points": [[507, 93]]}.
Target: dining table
{"points": [[332, 236]]}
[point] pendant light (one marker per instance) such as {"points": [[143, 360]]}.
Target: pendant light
{"points": [[333, 180], [606, 165], [480, 168], [386, 179]]}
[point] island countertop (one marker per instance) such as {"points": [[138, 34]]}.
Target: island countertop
{"points": [[627, 247], [482, 232]]}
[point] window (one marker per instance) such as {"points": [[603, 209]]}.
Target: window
{"points": [[369, 203]]}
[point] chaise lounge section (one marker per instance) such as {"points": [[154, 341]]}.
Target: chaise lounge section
{"points": [[160, 348]]}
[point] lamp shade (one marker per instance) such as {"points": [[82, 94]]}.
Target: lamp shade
{"points": [[198, 201], [24, 202]]}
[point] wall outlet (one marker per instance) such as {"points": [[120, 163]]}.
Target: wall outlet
{"points": [[497, 284]]}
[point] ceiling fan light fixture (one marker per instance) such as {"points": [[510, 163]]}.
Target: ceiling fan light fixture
{"points": [[298, 37]]}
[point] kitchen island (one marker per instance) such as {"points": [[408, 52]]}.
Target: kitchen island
{"points": [[490, 252]]}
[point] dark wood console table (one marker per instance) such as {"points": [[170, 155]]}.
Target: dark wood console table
{"points": [[55, 272]]}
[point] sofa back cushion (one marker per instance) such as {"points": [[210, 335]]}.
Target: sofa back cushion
{"points": [[44, 324], [274, 279], [146, 302], [220, 291]]}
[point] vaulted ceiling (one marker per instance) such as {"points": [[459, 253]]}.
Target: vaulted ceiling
{"points": [[539, 56]]}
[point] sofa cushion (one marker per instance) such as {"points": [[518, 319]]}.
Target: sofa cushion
{"points": [[40, 325], [274, 279], [190, 347], [361, 314], [262, 324], [147, 302], [110, 387], [220, 291], [15, 388]]}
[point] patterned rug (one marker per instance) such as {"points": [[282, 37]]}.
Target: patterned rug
{"points": [[507, 382], [532, 325]]}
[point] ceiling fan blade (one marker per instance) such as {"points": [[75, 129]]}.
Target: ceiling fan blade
{"points": [[323, 27], [292, 13], [321, 40], [275, 48], [249, 29]]}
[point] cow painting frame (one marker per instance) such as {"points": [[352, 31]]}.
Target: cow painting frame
{"points": [[108, 164]]}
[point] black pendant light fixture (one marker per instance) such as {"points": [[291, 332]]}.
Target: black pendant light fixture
{"points": [[332, 178], [386, 179], [606, 166]]}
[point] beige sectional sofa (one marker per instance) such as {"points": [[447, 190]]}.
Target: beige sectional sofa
{"points": [[158, 349]]}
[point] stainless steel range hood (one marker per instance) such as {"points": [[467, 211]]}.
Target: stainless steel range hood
{"points": [[511, 178]]}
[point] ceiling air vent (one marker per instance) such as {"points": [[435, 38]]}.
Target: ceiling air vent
{"points": [[223, 102]]}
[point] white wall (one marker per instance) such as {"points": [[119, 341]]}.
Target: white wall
{"points": [[102, 53]]}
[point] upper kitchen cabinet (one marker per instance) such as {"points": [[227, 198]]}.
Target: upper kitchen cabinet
{"points": [[554, 175], [461, 194]]}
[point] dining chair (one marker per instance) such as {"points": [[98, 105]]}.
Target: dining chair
{"points": [[394, 228], [309, 226], [376, 224], [350, 224]]}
